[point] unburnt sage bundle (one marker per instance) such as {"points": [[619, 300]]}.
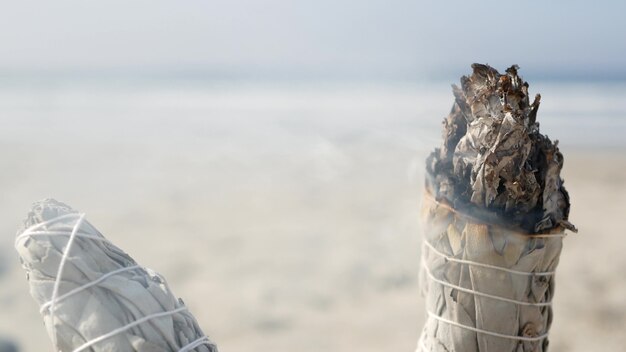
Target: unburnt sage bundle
{"points": [[494, 216], [93, 296]]}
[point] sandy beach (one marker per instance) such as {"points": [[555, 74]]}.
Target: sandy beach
{"points": [[292, 236]]}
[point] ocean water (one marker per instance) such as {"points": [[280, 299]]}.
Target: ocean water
{"points": [[267, 115]]}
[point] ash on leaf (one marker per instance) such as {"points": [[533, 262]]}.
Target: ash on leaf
{"points": [[494, 163]]}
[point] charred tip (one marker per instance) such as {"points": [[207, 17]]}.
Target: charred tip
{"points": [[519, 178], [513, 70]]}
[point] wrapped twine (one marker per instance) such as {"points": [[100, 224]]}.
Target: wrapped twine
{"points": [[487, 288], [93, 296]]}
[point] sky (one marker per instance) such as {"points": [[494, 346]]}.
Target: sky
{"points": [[395, 39]]}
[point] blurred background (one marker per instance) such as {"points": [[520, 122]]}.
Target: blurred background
{"points": [[267, 156]]}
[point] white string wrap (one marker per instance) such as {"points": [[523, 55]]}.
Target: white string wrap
{"points": [[51, 305], [128, 326], [491, 333], [421, 344], [483, 265], [478, 293], [193, 344], [86, 286]]}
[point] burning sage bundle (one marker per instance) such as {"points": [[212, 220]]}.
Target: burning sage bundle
{"points": [[494, 215]]}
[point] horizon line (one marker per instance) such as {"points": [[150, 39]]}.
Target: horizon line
{"points": [[293, 75]]}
